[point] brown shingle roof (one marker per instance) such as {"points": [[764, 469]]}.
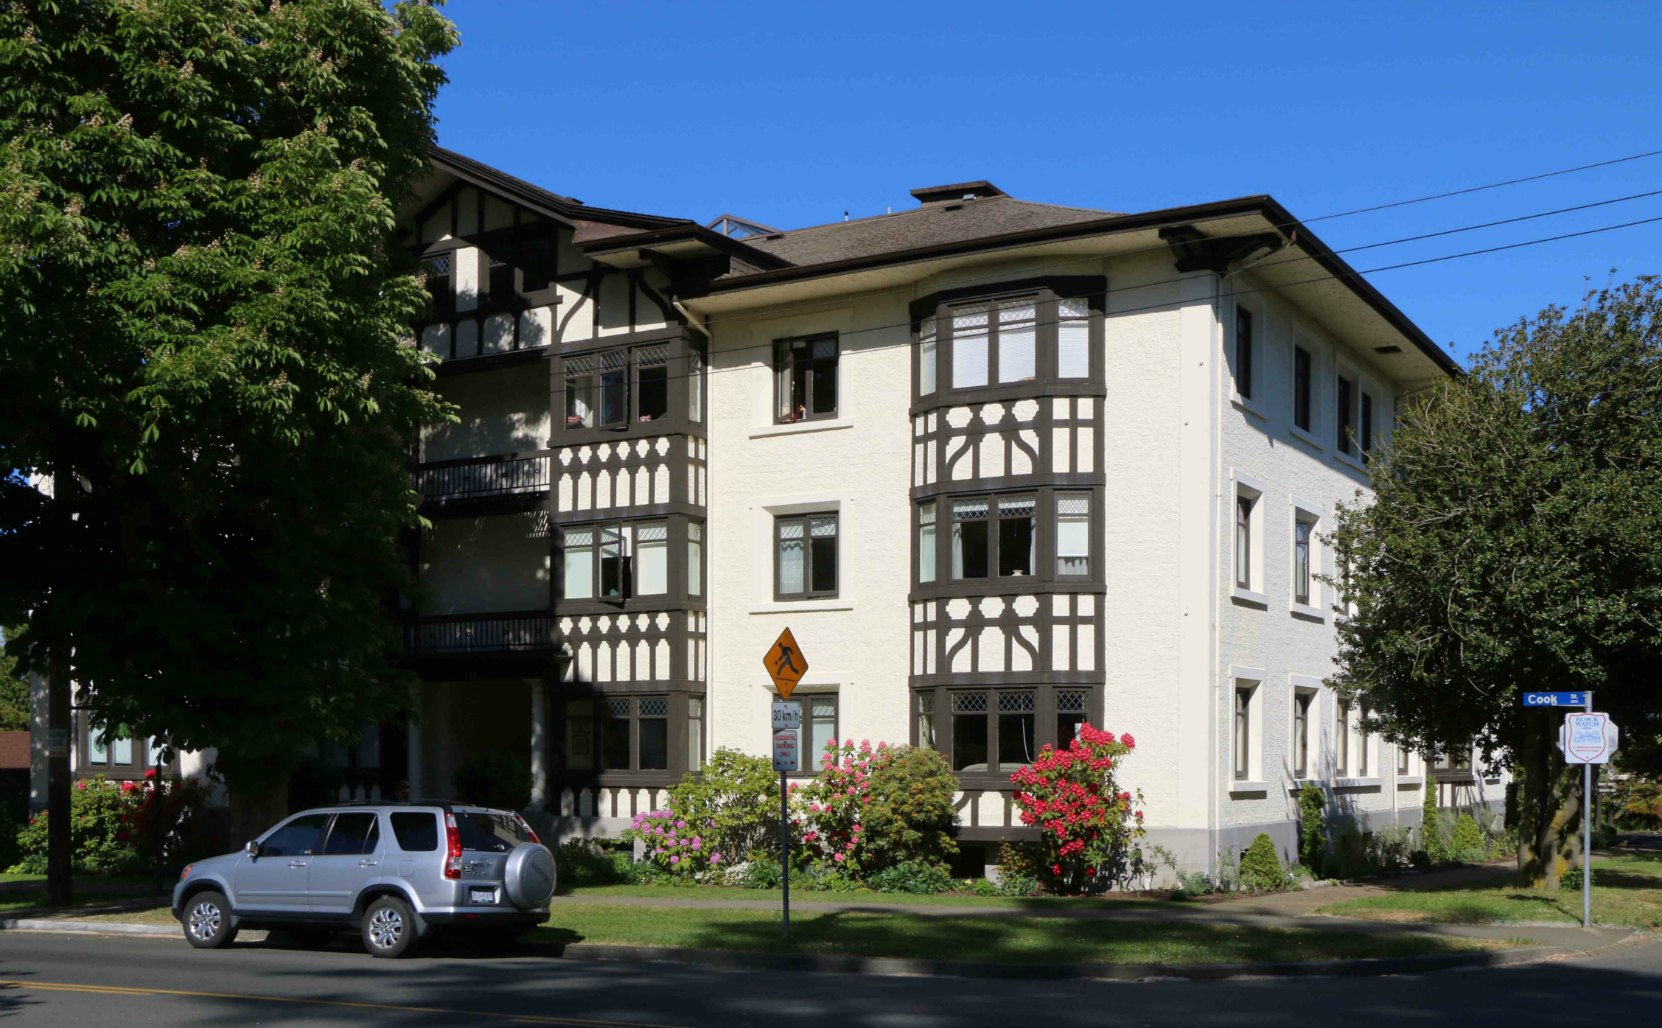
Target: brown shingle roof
{"points": [[14, 750], [924, 226]]}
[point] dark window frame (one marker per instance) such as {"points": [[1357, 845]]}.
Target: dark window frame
{"points": [[633, 719], [1303, 700], [935, 312], [1303, 382], [1241, 739], [786, 367], [809, 765], [636, 363], [1243, 351], [811, 588], [1344, 413], [1304, 536], [675, 545], [1244, 507], [1057, 710]]}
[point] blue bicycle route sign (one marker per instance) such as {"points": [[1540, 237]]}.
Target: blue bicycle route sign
{"points": [[1555, 699]]}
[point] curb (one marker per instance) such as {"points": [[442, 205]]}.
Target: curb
{"points": [[735, 960]]}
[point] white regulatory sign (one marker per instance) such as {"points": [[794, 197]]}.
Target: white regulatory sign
{"points": [[786, 714], [785, 756], [1588, 738]]}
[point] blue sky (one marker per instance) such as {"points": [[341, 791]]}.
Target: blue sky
{"points": [[793, 113]]}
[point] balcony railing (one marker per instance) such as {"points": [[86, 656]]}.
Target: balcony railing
{"points": [[452, 634], [482, 477]]}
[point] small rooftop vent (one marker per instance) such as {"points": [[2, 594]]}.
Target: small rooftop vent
{"points": [[957, 191]]}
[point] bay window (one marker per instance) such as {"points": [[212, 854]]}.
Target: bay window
{"points": [[999, 729], [968, 339], [613, 561], [611, 389]]}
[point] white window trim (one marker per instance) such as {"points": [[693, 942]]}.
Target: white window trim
{"points": [[800, 427], [1245, 486], [1253, 678], [1312, 512]]}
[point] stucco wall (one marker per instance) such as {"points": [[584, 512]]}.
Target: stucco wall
{"points": [[476, 565], [501, 411]]}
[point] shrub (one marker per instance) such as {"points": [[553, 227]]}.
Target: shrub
{"points": [[1468, 844], [1431, 835], [877, 807], [1018, 885], [1390, 848], [1312, 827], [1196, 883], [760, 873], [983, 887], [1088, 826], [1570, 878], [734, 802], [913, 877], [588, 862], [1229, 871], [113, 828], [492, 778], [1261, 869]]}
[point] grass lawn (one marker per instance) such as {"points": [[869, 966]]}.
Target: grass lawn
{"points": [[997, 940], [1627, 891]]}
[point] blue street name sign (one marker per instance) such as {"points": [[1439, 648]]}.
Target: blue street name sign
{"points": [[1555, 699]]}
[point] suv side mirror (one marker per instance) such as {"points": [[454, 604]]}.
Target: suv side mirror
{"points": [[252, 849]]}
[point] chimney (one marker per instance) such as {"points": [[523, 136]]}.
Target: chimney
{"points": [[957, 192]]}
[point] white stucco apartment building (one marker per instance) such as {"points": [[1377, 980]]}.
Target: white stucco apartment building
{"points": [[1000, 466]]}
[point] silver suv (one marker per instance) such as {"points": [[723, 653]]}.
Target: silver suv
{"points": [[394, 872]]}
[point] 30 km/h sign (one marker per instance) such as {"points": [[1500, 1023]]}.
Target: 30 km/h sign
{"points": [[785, 664]]}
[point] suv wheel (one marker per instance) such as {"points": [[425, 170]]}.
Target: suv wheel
{"points": [[389, 927], [207, 921]]}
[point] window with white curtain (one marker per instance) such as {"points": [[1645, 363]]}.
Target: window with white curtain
{"points": [[806, 551], [1073, 338], [651, 558], [1018, 340], [926, 357], [1073, 534], [969, 347], [926, 541]]}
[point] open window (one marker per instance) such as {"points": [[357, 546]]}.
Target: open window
{"points": [[805, 378]]}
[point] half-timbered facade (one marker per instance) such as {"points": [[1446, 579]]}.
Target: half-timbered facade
{"points": [[1001, 467]]}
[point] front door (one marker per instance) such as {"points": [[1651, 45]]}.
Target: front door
{"points": [[349, 859], [276, 879]]}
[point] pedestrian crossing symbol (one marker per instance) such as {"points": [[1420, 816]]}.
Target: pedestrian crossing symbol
{"points": [[785, 664]]}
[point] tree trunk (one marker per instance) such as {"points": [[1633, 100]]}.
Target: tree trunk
{"points": [[1549, 835], [59, 730]]}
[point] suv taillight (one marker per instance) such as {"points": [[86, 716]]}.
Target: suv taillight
{"points": [[532, 832], [453, 842]]}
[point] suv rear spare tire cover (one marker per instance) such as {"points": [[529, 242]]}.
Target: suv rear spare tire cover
{"points": [[529, 875]]}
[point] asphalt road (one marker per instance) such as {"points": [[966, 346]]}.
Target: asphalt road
{"points": [[67, 979]]}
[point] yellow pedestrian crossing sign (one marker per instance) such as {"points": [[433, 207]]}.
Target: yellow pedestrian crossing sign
{"points": [[785, 664]]}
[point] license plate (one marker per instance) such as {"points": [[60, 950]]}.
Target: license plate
{"points": [[481, 895]]}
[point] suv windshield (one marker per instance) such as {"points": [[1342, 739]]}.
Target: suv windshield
{"points": [[491, 832]]}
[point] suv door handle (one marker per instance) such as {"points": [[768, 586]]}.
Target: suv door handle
{"points": [[367, 863], [297, 863]]}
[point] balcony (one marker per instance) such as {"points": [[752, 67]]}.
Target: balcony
{"points": [[454, 635], [484, 482]]}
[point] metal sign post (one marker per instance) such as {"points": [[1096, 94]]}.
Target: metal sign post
{"points": [[786, 665], [1588, 738]]}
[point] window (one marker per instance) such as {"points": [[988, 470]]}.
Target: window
{"points": [[926, 541], [926, 719], [1243, 352], [634, 733], [1015, 729], [1073, 534], [415, 831], [499, 278], [1402, 758], [98, 753], [975, 550], [296, 838], [1301, 733], [1073, 337], [1301, 388], [1243, 541], [969, 731], [438, 282], [1365, 437], [536, 262], [1302, 530], [695, 733], [928, 368], [580, 735], [805, 377], [695, 558], [1341, 738], [695, 384], [1344, 404], [652, 382], [1070, 714], [1362, 743], [599, 393], [353, 835], [1243, 731], [806, 555], [651, 558], [1040, 333], [819, 727]]}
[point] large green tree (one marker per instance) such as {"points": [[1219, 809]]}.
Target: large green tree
{"points": [[1514, 543], [205, 348]]}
